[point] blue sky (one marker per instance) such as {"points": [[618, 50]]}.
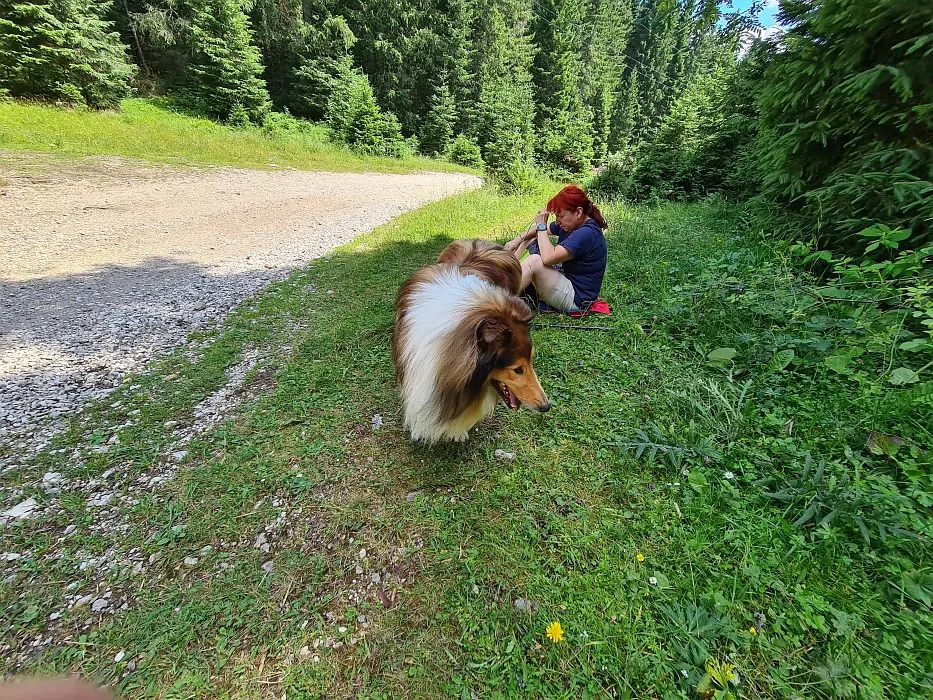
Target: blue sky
{"points": [[767, 15]]}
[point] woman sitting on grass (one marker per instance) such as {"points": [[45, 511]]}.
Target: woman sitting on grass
{"points": [[569, 275]]}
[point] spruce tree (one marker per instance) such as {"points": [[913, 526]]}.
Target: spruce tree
{"points": [[439, 125], [505, 126], [62, 51], [324, 66], [355, 119], [846, 105], [626, 114], [224, 74]]}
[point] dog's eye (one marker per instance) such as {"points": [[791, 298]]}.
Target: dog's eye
{"points": [[519, 370]]}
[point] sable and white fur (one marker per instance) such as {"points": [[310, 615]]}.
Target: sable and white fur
{"points": [[462, 341]]}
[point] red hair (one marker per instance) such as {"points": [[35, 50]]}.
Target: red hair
{"points": [[571, 197]]}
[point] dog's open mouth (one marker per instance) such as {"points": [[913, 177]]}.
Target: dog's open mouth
{"points": [[511, 400]]}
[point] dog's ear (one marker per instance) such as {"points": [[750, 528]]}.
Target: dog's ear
{"points": [[493, 332]]}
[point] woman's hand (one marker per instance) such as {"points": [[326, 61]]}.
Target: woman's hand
{"points": [[542, 217], [512, 245]]}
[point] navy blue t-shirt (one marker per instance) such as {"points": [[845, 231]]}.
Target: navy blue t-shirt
{"points": [[586, 268]]}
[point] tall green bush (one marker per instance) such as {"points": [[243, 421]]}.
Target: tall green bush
{"points": [[847, 117]]}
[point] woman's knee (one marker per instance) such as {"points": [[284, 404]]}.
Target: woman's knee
{"points": [[533, 263]]}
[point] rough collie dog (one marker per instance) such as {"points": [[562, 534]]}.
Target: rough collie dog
{"points": [[462, 341]]}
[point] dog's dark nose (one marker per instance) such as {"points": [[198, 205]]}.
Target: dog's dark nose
{"points": [[545, 408]]}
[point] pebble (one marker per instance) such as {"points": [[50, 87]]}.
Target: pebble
{"points": [[525, 605], [21, 510], [82, 601]]}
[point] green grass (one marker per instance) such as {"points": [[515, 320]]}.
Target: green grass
{"points": [[148, 129], [633, 459]]}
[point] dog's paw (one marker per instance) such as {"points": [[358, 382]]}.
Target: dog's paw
{"points": [[460, 437]]}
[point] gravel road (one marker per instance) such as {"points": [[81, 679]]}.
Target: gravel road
{"points": [[106, 264]]}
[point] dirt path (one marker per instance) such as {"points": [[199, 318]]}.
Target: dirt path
{"points": [[106, 263]]}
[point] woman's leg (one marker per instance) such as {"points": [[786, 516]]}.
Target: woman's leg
{"points": [[551, 286]]}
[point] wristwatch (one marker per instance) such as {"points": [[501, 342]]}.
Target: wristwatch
{"points": [[542, 227]]}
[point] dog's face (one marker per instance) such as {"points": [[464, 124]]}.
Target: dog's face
{"points": [[505, 358]]}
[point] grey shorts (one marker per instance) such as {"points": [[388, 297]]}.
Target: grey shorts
{"points": [[560, 296]]}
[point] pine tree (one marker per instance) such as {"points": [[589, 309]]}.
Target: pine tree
{"points": [[626, 114], [407, 49], [565, 120], [324, 66], [439, 125], [63, 51], [604, 43], [846, 105], [225, 68], [505, 125], [355, 119]]}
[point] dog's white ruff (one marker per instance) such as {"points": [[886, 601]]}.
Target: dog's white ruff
{"points": [[435, 310]]}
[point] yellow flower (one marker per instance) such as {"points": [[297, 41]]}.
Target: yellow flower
{"points": [[640, 556], [753, 630], [555, 632]]}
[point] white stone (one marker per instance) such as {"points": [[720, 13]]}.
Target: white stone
{"points": [[20, 510]]}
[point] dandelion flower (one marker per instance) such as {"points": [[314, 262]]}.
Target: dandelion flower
{"points": [[555, 632], [753, 630], [729, 475], [653, 581], [640, 556]]}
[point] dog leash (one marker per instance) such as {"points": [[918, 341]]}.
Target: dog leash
{"points": [[573, 327]]}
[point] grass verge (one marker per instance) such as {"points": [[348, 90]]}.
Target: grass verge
{"points": [[147, 129], [302, 549]]}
